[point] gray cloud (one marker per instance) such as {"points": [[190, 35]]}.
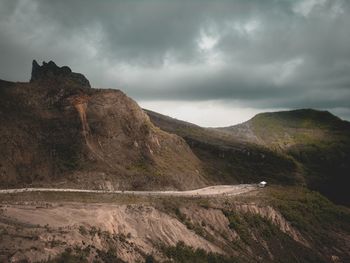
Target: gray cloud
{"points": [[257, 54]]}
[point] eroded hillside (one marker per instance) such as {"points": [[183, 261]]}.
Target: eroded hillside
{"points": [[279, 224], [57, 130]]}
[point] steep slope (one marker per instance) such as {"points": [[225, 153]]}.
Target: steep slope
{"points": [[230, 160], [293, 147], [57, 130]]}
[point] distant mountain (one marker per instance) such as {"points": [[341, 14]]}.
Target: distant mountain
{"points": [[57, 130], [300, 147], [281, 130]]}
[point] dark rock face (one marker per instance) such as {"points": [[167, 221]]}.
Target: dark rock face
{"points": [[51, 72]]}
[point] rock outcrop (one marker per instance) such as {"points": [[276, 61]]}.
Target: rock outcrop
{"points": [[50, 71]]}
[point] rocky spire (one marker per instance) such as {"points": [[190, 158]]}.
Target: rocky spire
{"points": [[50, 71]]}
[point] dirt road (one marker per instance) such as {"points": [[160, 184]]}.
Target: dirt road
{"points": [[217, 190]]}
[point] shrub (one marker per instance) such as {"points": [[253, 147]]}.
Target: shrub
{"points": [[185, 254]]}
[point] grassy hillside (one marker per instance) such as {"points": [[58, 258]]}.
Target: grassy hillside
{"points": [[231, 160], [301, 146], [317, 140]]}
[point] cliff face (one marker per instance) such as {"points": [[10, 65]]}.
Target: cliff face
{"points": [[57, 129]]}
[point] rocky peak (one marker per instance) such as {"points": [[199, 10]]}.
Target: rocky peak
{"points": [[63, 75]]}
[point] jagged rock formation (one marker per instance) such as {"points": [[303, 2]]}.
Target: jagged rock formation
{"points": [[57, 129], [51, 72]]}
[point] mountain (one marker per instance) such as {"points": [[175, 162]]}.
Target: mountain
{"points": [[302, 147], [57, 130]]}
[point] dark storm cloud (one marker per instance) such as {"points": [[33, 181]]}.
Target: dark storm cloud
{"points": [[263, 54]]}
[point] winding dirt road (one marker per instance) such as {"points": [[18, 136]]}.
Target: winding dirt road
{"points": [[217, 190]]}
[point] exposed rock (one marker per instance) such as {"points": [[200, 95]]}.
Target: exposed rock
{"points": [[35, 231], [57, 129], [137, 230], [51, 72]]}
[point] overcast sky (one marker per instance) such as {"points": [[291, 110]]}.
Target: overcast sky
{"points": [[214, 63]]}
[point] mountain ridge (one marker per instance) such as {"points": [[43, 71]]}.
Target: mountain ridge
{"points": [[316, 143]]}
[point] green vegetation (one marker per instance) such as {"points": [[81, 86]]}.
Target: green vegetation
{"points": [[229, 160], [298, 147], [80, 255], [322, 224], [109, 257], [245, 224], [150, 259], [239, 225], [185, 254], [309, 211], [75, 255], [318, 220], [265, 238], [248, 164], [303, 118], [280, 130], [83, 231], [317, 141]]}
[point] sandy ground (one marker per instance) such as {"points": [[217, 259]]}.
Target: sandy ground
{"points": [[225, 190]]}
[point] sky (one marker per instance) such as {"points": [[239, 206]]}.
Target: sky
{"points": [[213, 63]]}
